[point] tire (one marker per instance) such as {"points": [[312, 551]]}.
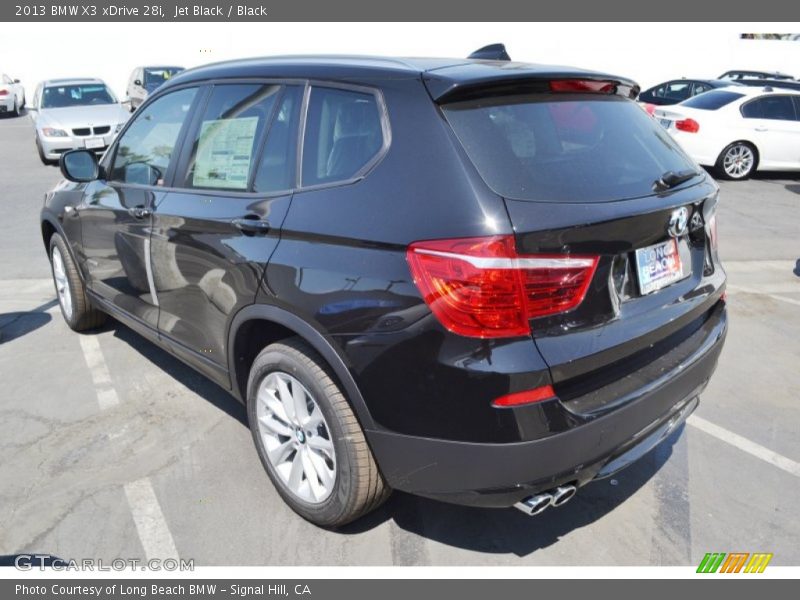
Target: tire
{"points": [[15, 110], [45, 161], [737, 161], [76, 308], [357, 486]]}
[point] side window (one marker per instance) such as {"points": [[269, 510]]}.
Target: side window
{"points": [[770, 107], [796, 107], [276, 168], [343, 134], [226, 139], [678, 90], [7, 79], [145, 149], [659, 91], [699, 88]]}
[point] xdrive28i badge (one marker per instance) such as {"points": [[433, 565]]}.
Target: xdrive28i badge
{"points": [[678, 222]]}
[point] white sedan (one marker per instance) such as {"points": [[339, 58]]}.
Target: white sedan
{"points": [[738, 130], [12, 95]]}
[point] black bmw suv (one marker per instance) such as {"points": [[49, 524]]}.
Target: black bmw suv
{"points": [[479, 281]]}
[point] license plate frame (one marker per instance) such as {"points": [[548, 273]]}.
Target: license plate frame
{"points": [[659, 266], [94, 143]]}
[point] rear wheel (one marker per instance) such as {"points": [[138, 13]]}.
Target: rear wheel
{"points": [[737, 161], [308, 437], [75, 305], [15, 110]]}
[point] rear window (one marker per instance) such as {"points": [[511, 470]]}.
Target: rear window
{"points": [[565, 147], [712, 100]]}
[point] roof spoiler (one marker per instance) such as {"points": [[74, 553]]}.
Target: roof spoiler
{"points": [[491, 52]]}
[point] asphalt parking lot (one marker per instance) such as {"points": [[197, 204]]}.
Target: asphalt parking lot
{"points": [[112, 448]]}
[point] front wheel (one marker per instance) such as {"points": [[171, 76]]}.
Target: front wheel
{"points": [[76, 309], [737, 161], [308, 437]]}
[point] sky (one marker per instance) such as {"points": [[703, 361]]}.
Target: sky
{"points": [[646, 52]]}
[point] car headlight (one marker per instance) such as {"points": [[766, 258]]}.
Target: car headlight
{"points": [[51, 132]]}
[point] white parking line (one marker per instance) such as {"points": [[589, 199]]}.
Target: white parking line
{"points": [[151, 526], [106, 394], [745, 445], [150, 523], [746, 290]]}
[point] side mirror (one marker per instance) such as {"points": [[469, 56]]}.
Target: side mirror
{"points": [[138, 82], [16, 81], [79, 166]]}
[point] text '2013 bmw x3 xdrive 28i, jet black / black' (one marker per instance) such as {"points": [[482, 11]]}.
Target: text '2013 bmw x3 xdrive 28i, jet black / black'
{"points": [[474, 280]]}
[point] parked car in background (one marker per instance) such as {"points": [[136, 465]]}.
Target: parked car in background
{"points": [[12, 95], [538, 306], [678, 90], [75, 113], [787, 84], [738, 130], [736, 75], [145, 80]]}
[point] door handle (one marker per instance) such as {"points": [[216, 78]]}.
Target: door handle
{"points": [[139, 212], [761, 129], [251, 225]]}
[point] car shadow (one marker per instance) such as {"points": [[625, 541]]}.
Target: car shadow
{"points": [[509, 531], [14, 325], [179, 371], [10, 117], [495, 531]]}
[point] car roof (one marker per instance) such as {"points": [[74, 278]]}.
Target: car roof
{"points": [[72, 81], [746, 90], [159, 67], [443, 75]]}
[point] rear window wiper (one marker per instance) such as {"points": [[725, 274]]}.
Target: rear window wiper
{"points": [[670, 179]]}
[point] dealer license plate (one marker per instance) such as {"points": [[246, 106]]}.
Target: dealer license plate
{"points": [[658, 266]]}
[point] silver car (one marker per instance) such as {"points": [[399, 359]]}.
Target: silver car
{"points": [[75, 113]]}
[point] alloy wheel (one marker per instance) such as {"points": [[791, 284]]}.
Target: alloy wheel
{"points": [[296, 437], [62, 283], [738, 161]]}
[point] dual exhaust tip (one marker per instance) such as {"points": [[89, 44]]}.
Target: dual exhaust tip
{"points": [[540, 502]]}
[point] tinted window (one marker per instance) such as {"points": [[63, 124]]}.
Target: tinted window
{"points": [[770, 107], [699, 88], [276, 169], [343, 133], [62, 96], [565, 148], [144, 150], [712, 100], [224, 147], [678, 90], [155, 77]]}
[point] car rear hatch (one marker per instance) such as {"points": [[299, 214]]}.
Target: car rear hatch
{"points": [[586, 173]]}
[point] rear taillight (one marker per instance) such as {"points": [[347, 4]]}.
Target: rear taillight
{"points": [[480, 287], [583, 85], [687, 125], [3, 92]]}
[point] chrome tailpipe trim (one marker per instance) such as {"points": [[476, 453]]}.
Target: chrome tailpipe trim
{"points": [[563, 494], [535, 504]]}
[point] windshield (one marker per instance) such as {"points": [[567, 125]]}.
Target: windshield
{"points": [[712, 100], [565, 147], [62, 96], [155, 77]]}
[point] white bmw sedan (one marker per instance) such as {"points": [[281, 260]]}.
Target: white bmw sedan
{"points": [[738, 130], [75, 113]]}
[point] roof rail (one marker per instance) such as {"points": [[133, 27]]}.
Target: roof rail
{"points": [[491, 52]]}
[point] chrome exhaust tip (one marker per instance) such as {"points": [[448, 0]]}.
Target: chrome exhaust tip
{"points": [[535, 504], [563, 494]]}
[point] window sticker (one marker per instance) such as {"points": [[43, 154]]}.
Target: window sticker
{"points": [[224, 153]]}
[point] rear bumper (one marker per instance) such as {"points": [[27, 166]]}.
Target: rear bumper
{"points": [[499, 475]]}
